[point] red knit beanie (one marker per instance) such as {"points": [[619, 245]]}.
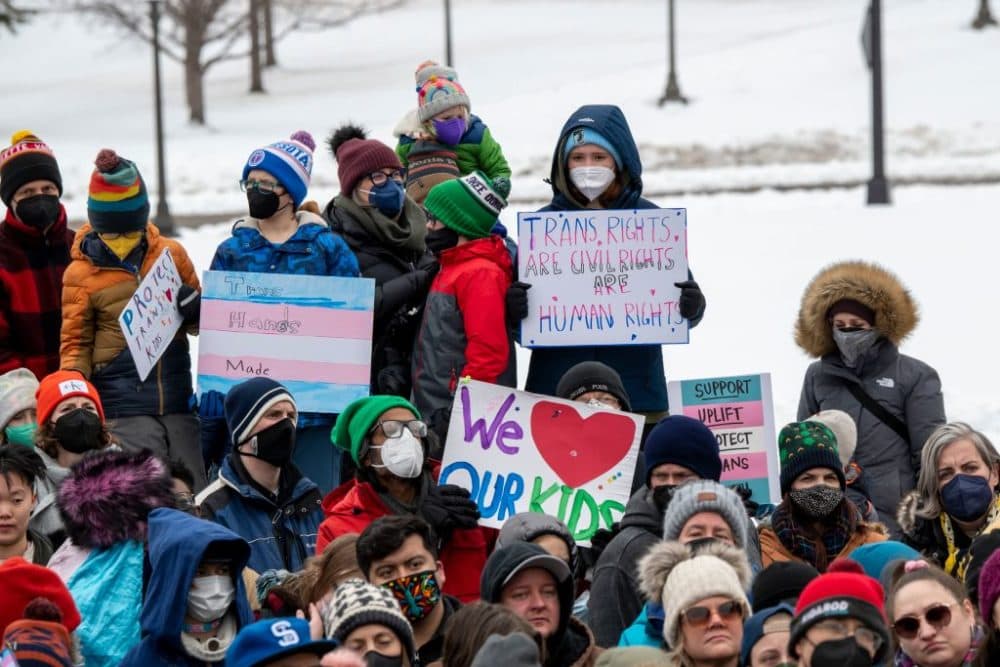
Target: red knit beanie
{"points": [[357, 156], [21, 582], [57, 387]]}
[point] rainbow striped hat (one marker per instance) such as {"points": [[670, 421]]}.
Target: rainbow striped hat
{"points": [[116, 200]]}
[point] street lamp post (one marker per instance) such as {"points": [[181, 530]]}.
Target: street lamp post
{"points": [[447, 34], [878, 186], [163, 219], [672, 93]]}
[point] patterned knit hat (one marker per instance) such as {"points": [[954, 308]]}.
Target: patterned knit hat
{"points": [[805, 445], [357, 419], [290, 161], [116, 200], [17, 393], [468, 205], [57, 387], [357, 603], [22, 582], [438, 90], [357, 156], [428, 164], [39, 639], [247, 402], [705, 495], [27, 159]]}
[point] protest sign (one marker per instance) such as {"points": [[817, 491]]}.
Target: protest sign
{"points": [[518, 452], [313, 334], [740, 412], [603, 277], [150, 319]]}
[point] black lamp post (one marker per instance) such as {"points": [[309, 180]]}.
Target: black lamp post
{"points": [[447, 34], [672, 93], [163, 219], [878, 186]]}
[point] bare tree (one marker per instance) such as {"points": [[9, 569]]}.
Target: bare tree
{"points": [[11, 16], [984, 17], [270, 60], [256, 81]]}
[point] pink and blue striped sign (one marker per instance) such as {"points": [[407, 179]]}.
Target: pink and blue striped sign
{"points": [[740, 412], [311, 333]]}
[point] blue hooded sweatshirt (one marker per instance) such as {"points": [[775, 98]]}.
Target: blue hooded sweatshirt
{"points": [[640, 366], [177, 544]]}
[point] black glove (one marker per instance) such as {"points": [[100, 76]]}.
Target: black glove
{"points": [[447, 508], [421, 281], [189, 303], [746, 495], [394, 379], [517, 303], [692, 300], [429, 263], [600, 540]]}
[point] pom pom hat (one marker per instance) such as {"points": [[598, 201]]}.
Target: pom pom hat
{"points": [[438, 90], [290, 161], [27, 159], [117, 202]]}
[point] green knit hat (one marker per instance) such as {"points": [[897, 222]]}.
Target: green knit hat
{"points": [[805, 445], [357, 420], [469, 205]]}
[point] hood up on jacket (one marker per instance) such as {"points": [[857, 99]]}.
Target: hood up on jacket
{"points": [[108, 495], [491, 248], [609, 121], [896, 313], [528, 526], [177, 544]]}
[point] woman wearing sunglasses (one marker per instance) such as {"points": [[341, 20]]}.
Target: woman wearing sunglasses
{"points": [[704, 604], [388, 442], [932, 618]]}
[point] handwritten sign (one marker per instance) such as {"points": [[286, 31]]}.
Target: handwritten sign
{"points": [[603, 277], [311, 333], [150, 320], [518, 452], [740, 412]]}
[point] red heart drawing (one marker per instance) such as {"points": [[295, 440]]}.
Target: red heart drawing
{"points": [[579, 449], [169, 293]]}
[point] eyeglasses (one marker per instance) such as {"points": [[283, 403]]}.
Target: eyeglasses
{"points": [[938, 616], [259, 186], [701, 615], [380, 177], [831, 629], [184, 502], [393, 428]]}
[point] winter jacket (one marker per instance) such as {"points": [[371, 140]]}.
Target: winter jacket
{"points": [[31, 270], [640, 366], [772, 550], [352, 506], [647, 629], [463, 332], [906, 387], [940, 540], [477, 149], [96, 288], [399, 295], [281, 531], [177, 544], [45, 517]]}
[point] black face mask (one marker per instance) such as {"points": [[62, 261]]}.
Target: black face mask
{"points": [[439, 240], [274, 444], [79, 431], [841, 653], [262, 205], [662, 496], [39, 211], [376, 659]]}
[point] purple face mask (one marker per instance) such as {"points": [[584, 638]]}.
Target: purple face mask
{"points": [[450, 131]]}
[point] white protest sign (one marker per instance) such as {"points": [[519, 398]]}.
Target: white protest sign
{"points": [[150, 319], [519, 452], [603, 277]]}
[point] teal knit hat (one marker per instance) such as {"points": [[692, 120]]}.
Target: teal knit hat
{"points": [[469, 205], [357, 420]]}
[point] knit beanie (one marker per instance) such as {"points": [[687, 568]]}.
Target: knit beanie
{"points": [[514, 650], [634, 656], [469, 205], [438, 90], [753, 629], [27, 159], [17, 393], [358, 418], [989, 588], [805, 445], [852, 307], [781, 581], [582, 136], [844, 429], [116, 199], [57, 387], [705, 495], [357, 156], [683, 441], [592, 376], [290, 161], [21, 582], [876, 556], [429, 163], [670, 575], [247, 402], [844, 591], [357, 603]]}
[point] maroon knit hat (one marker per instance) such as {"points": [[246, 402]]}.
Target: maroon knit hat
{"points": [[358, 156], [989, 588], [854, 308]]}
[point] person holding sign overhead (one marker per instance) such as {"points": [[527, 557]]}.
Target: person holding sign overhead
{"points": [[111, 255], [596, 166]]}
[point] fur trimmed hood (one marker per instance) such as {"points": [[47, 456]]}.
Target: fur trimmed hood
{"points": [[109, 494], [867, 283], [906, 513]]}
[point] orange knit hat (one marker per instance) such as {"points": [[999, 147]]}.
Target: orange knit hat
{"points": [[57, 387]]}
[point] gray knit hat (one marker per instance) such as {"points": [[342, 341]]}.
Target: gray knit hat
{"points": [[705, 495], [357, 603], [514, 650], [843, 427], [17, 393]]}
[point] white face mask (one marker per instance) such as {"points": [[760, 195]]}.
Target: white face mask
{"points": [[591, 181], [402, 456], [210, 597]]}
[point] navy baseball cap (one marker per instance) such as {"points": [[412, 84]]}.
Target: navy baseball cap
{"points": [[265, 641]]}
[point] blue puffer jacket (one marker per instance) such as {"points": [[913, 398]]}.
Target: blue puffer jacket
{"points": [[177, 544], [282, 532], [640, 366]]}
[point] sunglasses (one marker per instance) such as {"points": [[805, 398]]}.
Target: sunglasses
{"points": [[937, 617], [700, 615]]}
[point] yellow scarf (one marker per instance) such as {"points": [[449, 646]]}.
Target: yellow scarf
{"points": [[121, 244], [957, 562]]}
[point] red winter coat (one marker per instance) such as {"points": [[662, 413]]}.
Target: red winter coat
{"points": [[353, 505], [31, 271]]}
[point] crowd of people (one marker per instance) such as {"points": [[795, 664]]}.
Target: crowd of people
{"points": [[140, 526]]}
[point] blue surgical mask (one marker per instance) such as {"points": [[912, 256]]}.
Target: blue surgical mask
{"points": [[967, 497], [388, 198]]}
